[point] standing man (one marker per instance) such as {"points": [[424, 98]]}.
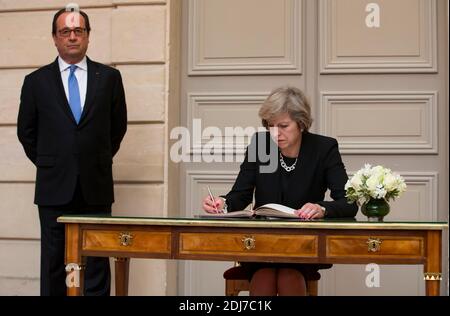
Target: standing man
{"points": [[72, 119]]}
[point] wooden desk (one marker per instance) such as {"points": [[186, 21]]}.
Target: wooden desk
{"points": [[252, 240]]}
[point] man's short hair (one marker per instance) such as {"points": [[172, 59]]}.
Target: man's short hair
{"points": [[83, 14]]}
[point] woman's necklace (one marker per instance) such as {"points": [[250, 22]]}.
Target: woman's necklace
{"points": [[286, 167]]}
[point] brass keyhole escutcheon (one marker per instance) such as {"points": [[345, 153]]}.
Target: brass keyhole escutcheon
{"points": [[373, 244], [125, 239], [249, 242]]}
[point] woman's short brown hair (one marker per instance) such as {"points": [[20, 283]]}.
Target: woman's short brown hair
{"points": [[287, 100]]}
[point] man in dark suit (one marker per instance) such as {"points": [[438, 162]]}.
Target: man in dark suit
{"points": [[72, 119]]}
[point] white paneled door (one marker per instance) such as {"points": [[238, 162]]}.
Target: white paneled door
{"points": [[376, 74]]}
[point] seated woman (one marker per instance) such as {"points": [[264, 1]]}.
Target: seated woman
{"points": [[308, 165]]}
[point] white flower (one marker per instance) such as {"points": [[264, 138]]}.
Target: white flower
{"points": [[366, 171], [347, 185], [378, 170], [380, 192], [356, 182], [374, 183], [390, 182], [400, 184]]}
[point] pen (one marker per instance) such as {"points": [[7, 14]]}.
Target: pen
{"points": [[212, 198]]}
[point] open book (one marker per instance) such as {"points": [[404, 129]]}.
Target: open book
{"points": [[266, 210]]}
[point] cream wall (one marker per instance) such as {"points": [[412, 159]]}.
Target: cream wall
{"points": [[133, 36]]}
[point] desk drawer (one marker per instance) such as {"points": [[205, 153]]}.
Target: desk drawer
{"points": [[252, 244], [130, 241], [375, 246]]}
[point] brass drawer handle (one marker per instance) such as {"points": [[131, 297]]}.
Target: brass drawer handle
{"points": [[249, 242], [126, 239], [373, 244]]}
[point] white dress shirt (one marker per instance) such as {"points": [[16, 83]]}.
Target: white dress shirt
{"points": [[80, 73]]}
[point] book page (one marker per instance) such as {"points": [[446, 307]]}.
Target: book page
{"points": [[276, 210], [278, 207], [243, 213]]}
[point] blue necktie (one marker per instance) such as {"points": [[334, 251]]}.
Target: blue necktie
{"points": [[74, 94]]}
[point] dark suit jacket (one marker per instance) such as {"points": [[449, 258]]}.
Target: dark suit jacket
{"points": [[64, 151], [319, 167]]}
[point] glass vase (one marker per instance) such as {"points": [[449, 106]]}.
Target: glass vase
{"points": [[375, 209]]}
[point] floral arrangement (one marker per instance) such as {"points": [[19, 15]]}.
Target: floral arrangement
{"points": [[374, 183]]}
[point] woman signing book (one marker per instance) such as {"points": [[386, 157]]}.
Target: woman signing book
{"points": [[306, 165]]}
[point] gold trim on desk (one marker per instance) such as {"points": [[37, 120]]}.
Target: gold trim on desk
{"points": [[250, 223]]}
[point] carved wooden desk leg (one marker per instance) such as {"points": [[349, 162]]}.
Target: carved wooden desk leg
{"points": [[74, 261], [122, 266], [432, 267]]}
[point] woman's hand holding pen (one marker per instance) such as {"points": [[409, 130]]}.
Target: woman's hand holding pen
{"points": [[213, 205]]}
